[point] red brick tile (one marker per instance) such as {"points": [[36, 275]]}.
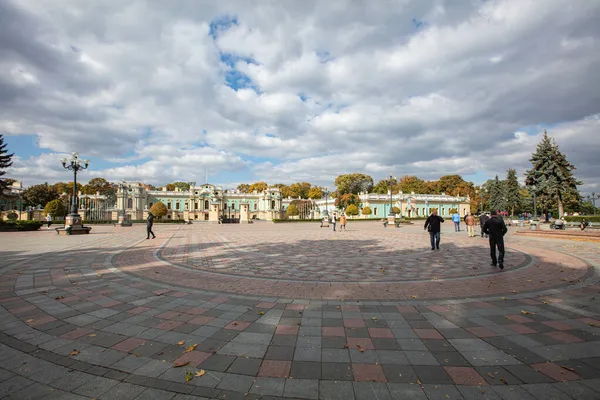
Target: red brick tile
{"points": [[333, 331], [194, 357], [381, 333], [481, 332], [590, 321], [350, 308], [41, 320], [483, 304], [129, 344], [275, 369], [76, 333], [297, 307], [196, 310], [522, 329], [555, 372], [286, 330], [168, 315], [354, 323], [237, 325], [368, 373], [564, 337], [138, 310], [200, 320], [519, 318], [465, 376], [357, 343], [219, 300], [438, 309], [168, 325], [558, 325], [428, 334]]}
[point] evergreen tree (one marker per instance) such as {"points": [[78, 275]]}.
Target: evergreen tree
{"points": [[5, 162], [512, 191], [497, 200], [551, 176]]}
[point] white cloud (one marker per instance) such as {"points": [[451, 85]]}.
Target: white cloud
{"points": [[423, 87]]}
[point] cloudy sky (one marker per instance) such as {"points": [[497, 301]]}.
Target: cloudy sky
{"points": [[282, 91]]}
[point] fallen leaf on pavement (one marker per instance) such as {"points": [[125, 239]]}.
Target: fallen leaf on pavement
{"points": [[191, 348], [262, 313], [59, 297], [73, 353], [188, 376], [91, 335], [181, 364], [200, 373], [181, 343], [524, 312]]}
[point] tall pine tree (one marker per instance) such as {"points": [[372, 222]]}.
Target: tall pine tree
{"points": [[497, 199], [5, 162], [551, 176], [512, 191]]}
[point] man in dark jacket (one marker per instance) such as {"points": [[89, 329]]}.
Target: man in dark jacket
{"points": [[149, 223], [496, 229], [482, 220], [433, 225]]}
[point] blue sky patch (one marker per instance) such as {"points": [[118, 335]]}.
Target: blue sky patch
{"points": [[418, 23], [220, 24]]}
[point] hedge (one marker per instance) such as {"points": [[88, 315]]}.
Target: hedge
{"points": [[579, 218], [285, 220], [136, 221], [20, 225]]}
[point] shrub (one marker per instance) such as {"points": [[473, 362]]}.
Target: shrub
{"points": [[159, 209], [55, 208], [352, 210], [280, 221], [396, 210], [453, 211], [367, 210], [292, 211]]}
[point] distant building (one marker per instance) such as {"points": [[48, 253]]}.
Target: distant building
{"points": [[201, 203]]}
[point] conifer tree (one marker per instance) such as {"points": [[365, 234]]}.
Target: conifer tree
{"points": [[512, 191], [551, 176], [497, 200], [5, 162]]}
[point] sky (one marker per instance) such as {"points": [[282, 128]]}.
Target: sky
{"points": [[286, 91]]}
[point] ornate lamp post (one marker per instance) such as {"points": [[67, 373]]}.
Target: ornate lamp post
{"points": [[73, 223], [391, 214], [123, 220], [326, 193], [534, 204]]}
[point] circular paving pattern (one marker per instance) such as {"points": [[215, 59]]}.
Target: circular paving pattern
{"points": [[320, 255], [111, 315]]}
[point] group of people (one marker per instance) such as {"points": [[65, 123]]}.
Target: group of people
{"points": [[334, 219], [492, 226]]}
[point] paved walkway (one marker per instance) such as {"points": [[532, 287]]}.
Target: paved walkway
{"points": [[294, 311]]}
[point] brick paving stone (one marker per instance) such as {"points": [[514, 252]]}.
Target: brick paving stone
{"points": [[465, 376], [275, 369], [399, 373], [577, 390], [555, 371], [236, 383], [368, 373], [546, 391], [301, 388], [245, 366], [335, 390], [371, 390], [478, 393], [401, 391], [336, 371], [442, 392], [268, 386]]}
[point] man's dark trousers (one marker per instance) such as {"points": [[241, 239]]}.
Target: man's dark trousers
{"points": [[497, 241], [435, 239]]}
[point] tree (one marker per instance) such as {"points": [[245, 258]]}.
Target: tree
{"points": [[182, 186], [315, 193], [97, 185], [512, 191], [383, 186], [304, 207], [352, 210], [453, 185], [39, 195], [300, 190], [258, 187], [343, 201], [55, 208], [243, 187], [409, 184], [292, 210], [367, 210], [551, 176], [5, 162], [353, 184], [497, 200], [159, 209]]}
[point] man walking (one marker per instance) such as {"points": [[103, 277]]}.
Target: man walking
{"points": [[333, 221], [433, 226], [149, 223], [482, 220], [456, 220], [470, 221], [496, 229]]}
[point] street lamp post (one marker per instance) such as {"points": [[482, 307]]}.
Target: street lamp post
{"points": [[123, 220], [391, 214], [593, 197], [534, 204], [326, 193], [73, 222]]}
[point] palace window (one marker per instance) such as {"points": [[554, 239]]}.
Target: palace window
{"points": [[272, 204], [375, 211], [169, 205], [206, 205], [255, 206], [129, 203], [196, 206], [177, 206]]}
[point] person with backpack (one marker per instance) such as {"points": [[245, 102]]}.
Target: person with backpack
{"points": [[482, 220], [433, 226], [456, 220], [496, 229]]}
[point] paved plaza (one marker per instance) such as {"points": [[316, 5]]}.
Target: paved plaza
{"points": [[294, 311]]}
